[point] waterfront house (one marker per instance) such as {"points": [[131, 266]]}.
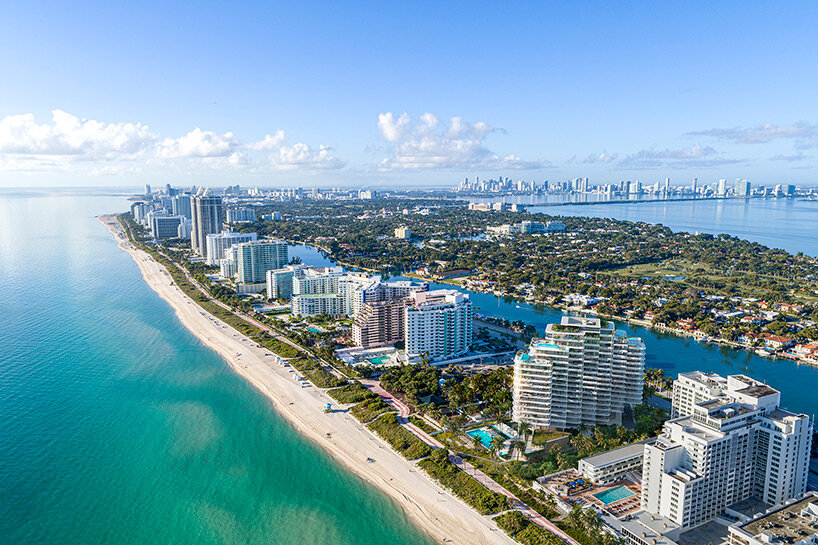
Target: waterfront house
{"points": [[776, 342]]}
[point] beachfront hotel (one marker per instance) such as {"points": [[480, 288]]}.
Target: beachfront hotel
{"points": [[379, 323], [164, 226], [582, 372], [280, 281], [218, 243], [437, 324], [314, 289], [736, 444], [206, 212], [254, 259]]}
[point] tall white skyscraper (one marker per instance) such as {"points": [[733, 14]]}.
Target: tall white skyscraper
{"points": [[730, 441], [742, 187], [206, 216], [721, 188], [582, 372], [437, 324]]}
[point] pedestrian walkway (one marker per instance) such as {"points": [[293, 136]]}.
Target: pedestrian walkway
{"points": [[517, 504]]}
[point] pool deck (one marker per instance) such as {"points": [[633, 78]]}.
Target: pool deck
{"points": [[558, 485]]}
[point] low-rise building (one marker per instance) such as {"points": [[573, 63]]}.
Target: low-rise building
{"points": [[241, 215], [612, 466]]}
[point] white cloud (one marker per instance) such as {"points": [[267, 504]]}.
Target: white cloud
{"points": [[790, 158], [693, 156], [69, 136], [762, 134], [100, 148], [393, 129], [198, 143], [600, 158], [425, 144], [302, 156], [268, 143]]}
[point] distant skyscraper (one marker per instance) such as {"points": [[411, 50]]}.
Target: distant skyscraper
{"points": [[721, 188], [241, 215], [694, 186], [742, 187], [403, 232], [148, 189], [206, 211], [180, 204]]}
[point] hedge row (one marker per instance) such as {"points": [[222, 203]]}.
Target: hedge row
{"points": [[398, 437]]}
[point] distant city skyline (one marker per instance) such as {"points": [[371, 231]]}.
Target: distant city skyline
{"points": [[326, 95]]}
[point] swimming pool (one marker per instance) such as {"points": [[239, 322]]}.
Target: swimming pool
{"points": [[614, 494], [314, 330], [484, 435], [378, 361]]}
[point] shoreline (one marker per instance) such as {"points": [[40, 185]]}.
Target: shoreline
{"points": [[432, 509]]}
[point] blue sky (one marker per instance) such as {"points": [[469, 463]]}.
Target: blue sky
{"points": [[397, 94]]}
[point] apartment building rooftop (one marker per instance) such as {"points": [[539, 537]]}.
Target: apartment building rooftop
{"points": [[701, 376], [580, 321], [619, 454], [791, 523]]}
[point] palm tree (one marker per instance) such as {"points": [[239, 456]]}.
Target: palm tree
{"points": [[476, 440], [522, 429], [496, 443], [574, 516]]}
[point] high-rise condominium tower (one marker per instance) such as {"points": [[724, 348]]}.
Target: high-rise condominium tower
{"points": [[583, 372], [206, 212]]}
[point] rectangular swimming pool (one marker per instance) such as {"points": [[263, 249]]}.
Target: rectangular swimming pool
{"points": [[614, 494]]}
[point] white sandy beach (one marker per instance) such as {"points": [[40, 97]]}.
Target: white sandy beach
{"points": [[439, 513]]}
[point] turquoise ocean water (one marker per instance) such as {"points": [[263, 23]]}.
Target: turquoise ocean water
{"points": [[118, 427]]}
